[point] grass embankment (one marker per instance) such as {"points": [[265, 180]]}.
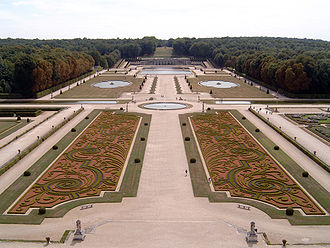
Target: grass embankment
{"points": [[8, 127], [201, 187]]}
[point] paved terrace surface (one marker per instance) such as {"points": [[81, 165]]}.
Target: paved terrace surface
{"points": [[165, 213], [307, 140]]}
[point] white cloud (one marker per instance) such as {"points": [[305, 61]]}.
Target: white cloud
{"points": [[171, 18]]}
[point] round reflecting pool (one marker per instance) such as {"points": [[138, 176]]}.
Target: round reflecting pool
{"points": [[164, 106], [111, 84], [219, 84]]}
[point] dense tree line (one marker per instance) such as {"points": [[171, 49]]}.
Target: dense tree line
{"points": [[30, 66], [28, 70], [293, 65]]}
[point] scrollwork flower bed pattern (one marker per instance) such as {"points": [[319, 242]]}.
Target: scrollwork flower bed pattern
{"points": [[238, 164], [93, 163]]}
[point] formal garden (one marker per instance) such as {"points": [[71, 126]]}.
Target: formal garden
{"points": [[82, 170], [253, 170], [241, 90], [108, 85], [93, 163], [319, 124]]}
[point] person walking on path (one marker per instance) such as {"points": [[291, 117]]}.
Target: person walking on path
{"points": [[186, 171]]}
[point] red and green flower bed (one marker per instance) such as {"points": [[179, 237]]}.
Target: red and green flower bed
{"points": [[239, 165], [92, 164]]}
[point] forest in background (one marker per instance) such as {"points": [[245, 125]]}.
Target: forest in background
{"points": [[31, 66], [294, 66]]}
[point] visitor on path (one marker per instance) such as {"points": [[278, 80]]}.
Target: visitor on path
{"points": [[186, 171]]}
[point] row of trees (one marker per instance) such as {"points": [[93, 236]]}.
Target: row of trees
{"points": [[30, 66], [294, 65], [28, 70]]}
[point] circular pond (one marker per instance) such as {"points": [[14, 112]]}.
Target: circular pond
{"points": [[164, 106], [111, 84], [219, 84]]}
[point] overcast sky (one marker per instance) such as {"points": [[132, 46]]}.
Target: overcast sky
{"points": [[48, 19]]}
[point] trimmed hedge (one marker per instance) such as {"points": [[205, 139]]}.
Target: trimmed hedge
{"points": [[27, 173], [289, 211], [305, 174], [42, 210]]}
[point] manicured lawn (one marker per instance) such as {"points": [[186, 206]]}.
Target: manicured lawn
{"points": [[242, 91], [7, 127], [87, 90], [163, 52]]}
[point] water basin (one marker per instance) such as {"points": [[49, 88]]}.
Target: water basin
{"points": [[111, 84], [219, 84], [165, 106]]}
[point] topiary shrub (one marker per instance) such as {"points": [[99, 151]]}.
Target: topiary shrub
{"points": [[26, 173], [137, 160], [243, 118], [86, 117], [121, 108], [146, 124], [184, 124], [305, 174], [211, 92], [276, 148], [73, 130], [42, 210], [289, 211], [192, 160], [208, 109], [18, 118], [257, 130], [28, 120], [143, 139], [187, 138], [55, 147]]}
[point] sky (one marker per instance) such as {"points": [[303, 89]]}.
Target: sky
{"points": [[66, 19]]}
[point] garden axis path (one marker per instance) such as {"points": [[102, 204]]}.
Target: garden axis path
{"points": [[165, 212]]}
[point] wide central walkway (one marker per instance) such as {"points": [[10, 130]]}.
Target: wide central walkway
{"points": [[165, 212]]}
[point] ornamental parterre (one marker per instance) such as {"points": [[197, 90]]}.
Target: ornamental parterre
{"points": [[93, 163], [238, 164]]}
